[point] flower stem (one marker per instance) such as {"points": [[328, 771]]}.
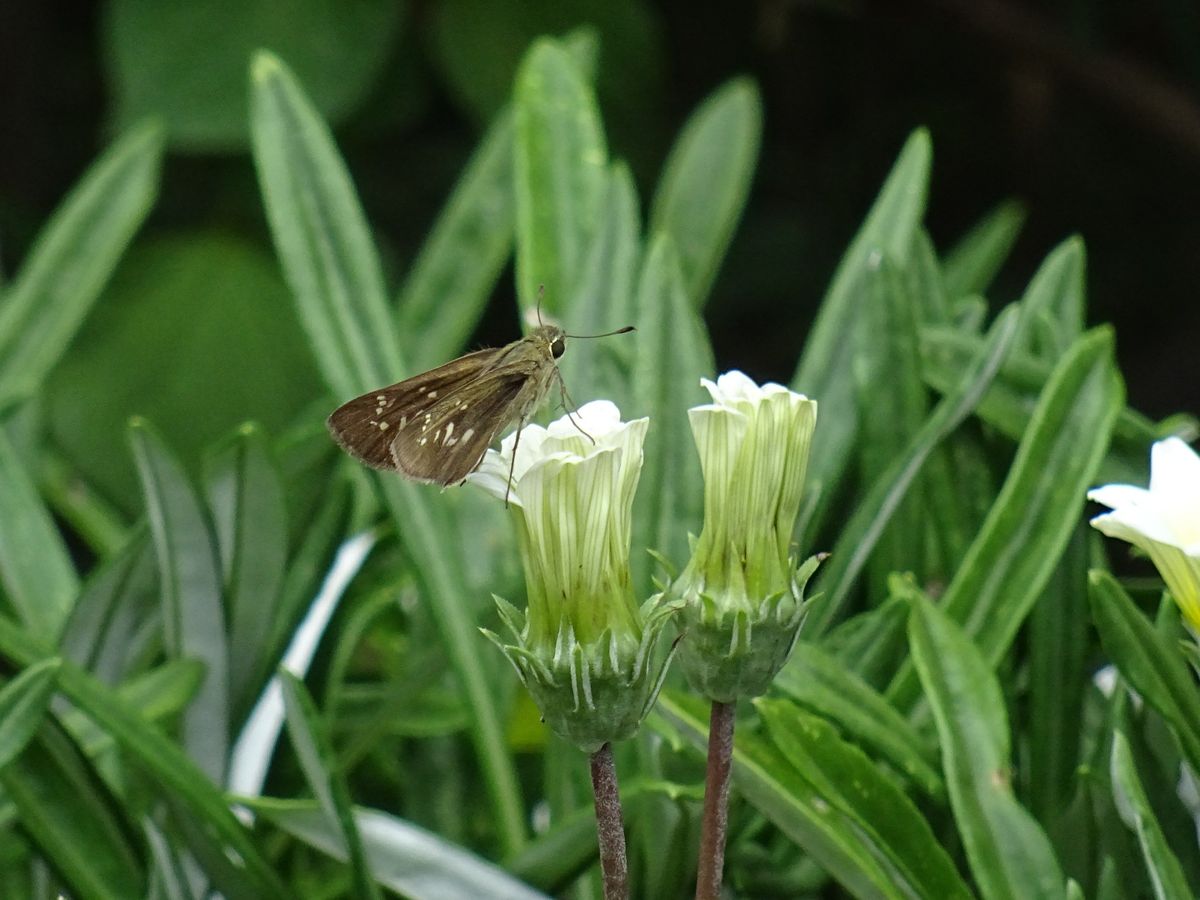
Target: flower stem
{"points": [[610, 827], [716, 802]]}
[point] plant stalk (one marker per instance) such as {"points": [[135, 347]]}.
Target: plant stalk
{"points": [[711, 864], [610, 827]]}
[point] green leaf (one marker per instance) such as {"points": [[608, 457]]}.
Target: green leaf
{"points": [[858, 537], [72, 259], [320, 769], [338, 286], [466, 250], [73, 820], [1057, 292], [406, 859], [972, 263], [869, 643], [891, 827], [818, 682], [146, 745], [673, 354], [23, 703], [35, 567], [827, 831], [559, 173], [1036, 510], [1009, 854], [825, 372], [1148, 660], [706, 180], [245, 498], [1166, 874], [186, 62], [192, 607], [320, 234]]}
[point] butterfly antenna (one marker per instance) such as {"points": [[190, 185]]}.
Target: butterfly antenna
{"points": [[625, 330], [538, 308]]}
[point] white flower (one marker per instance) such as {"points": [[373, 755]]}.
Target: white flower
{"points": [[1163, 520], [742, 579]]}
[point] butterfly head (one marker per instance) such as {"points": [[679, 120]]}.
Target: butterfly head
{"points": [[550, 337]]}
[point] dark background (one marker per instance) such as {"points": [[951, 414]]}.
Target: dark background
{"points": [[1086, 112]]}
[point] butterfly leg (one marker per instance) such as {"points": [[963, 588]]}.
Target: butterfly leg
{"points": [[569, 405], [512, 463]]}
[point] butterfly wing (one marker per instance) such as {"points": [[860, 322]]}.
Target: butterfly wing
{"points": [[366, 426]]}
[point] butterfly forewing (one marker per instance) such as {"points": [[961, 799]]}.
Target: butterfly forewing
{"points": [[366, 426]]}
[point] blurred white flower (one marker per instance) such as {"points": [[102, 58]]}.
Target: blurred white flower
{"points": [[1162, 520]]}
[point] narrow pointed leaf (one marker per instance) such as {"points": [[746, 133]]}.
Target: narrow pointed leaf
{"points": [[23, 703], [706, 180], [973, 262], [73, 258]]}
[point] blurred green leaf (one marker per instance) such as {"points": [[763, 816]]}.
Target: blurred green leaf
{"points": [[1166, 875], [321, 235], [972, 263], [1148, 660], [406, 859], [826, 368], [869, 643], [187, 62], [73, 819], [891, 827], [23, 703], [830, 831], [339, 291], [560, 168], [1036, 510], [74, 256], [859, 535], [192, 607], [320, 771], [195, 333], [706, 180], [673, 354], [1009, 854], [818, 682], [1057, 292], [35, 567], [146, 745], [245, 498], [452, 277]]}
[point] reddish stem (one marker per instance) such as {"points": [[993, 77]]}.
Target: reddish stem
{"points": [[610, 827], [716, 802]]}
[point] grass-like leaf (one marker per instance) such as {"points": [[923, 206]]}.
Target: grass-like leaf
{"points": [[23, 703], [35, 567], [1009, 854], [321, 772], [73, 258], [192, 599], [559, 173], [972, 263], [706, 180]]}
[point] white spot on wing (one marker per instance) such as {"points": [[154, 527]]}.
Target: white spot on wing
{"points": [[467, 434], [383, 426], [433, 395]]}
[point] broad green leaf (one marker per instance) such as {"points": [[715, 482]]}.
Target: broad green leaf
{"points": [[327, 256], [23, 703], [869, 643], [320, 769], [1148, 661], [890, 826], [449, 282], [78, 826], [146, 745], [192, 602], [673, 354], [1166, 875], [785, 796], [186, 62], [825, 372], [858, 537], [560, 162], [1039, 505], [409, 860], [972, 263], [1009, 854], [35, 567], [73, 257], [818, 682], [245, 498], [706, 180], [320, 234]]}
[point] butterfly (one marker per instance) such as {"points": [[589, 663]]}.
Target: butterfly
{"points": [[436, 426]]}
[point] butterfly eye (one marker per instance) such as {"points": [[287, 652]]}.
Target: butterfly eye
{"points": [[558, 347]]}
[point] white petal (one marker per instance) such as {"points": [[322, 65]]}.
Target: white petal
{"points": [[1134, 524], [1174, 467], [1118, 496]]}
